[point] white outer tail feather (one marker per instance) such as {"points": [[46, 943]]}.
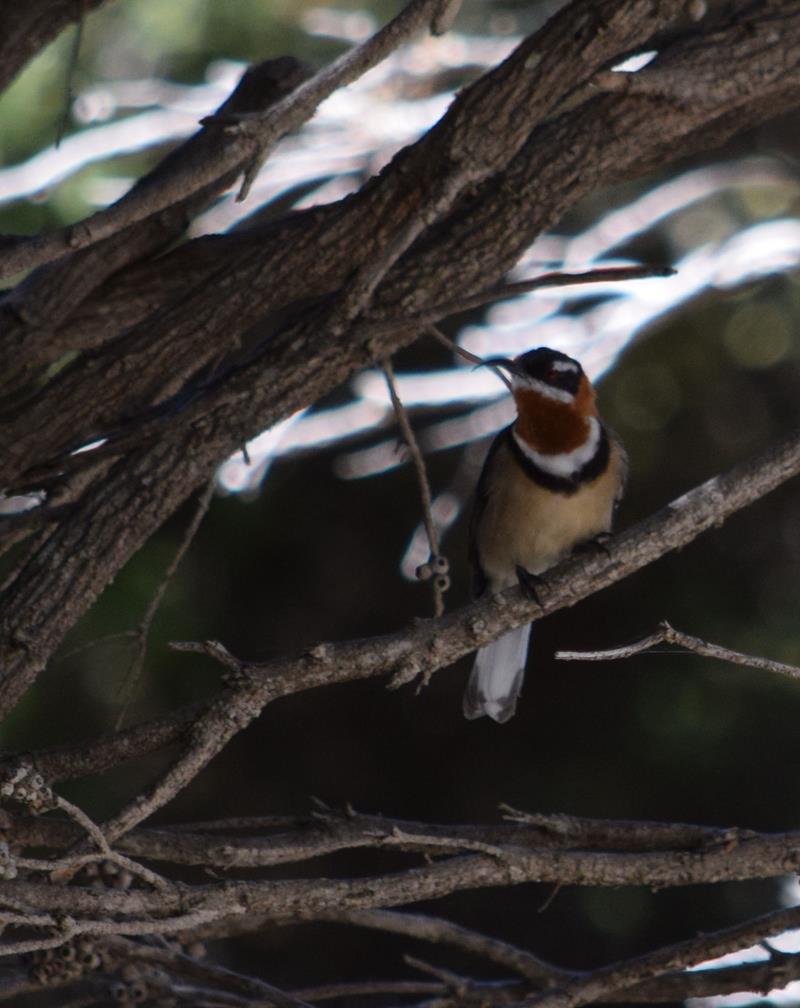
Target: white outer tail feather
{"points": [[496, 678]]}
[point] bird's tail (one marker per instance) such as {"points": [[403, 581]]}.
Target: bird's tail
{"points": [[496, 678]]}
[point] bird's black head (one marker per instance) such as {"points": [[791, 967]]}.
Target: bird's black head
{"points": [[550, 367]]}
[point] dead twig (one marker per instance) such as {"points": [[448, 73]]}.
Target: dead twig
{"points": [[601, 983], [72, 66], [142, 633], [440, 931], [666, 634], [66, 868], [437, 567]]}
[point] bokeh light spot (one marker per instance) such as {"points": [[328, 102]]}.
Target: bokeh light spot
{"points": [[758, 335], [647, 396]]}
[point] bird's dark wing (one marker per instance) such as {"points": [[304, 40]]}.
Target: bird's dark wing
{"points": [[479, 581], [623, 464]]}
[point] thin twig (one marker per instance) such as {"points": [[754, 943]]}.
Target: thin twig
{"points": [[87, 824], [191, 966], [122, 635], [618, 976], [438, 930], [265, 128], [142, 633], [69, 927], [666, 634], [445, 340], [394, 988], [502, 292], [72, 66], [67, 867], [437, 566], [453, 980]]}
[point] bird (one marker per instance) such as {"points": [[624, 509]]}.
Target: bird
{"points": [[550, 484]]}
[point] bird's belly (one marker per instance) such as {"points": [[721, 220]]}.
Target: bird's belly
{"points": [[525, 525]]}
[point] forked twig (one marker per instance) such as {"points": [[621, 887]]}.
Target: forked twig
{"points": [[65, 868], [666, 634], [437, 930]]}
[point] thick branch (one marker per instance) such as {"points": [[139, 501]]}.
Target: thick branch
{"points": [[429, 645], [26, 28], [309, 363], [32, 313], [287, 115], [256, 844]]}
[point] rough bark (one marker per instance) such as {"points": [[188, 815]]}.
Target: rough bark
{"points": [[181, 357]]}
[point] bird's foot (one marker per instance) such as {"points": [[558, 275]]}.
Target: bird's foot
{"points": [[597, 544], [530, 584]]}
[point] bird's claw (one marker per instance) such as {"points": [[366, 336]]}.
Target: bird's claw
{"points": [[530, 584], [597, 544]]}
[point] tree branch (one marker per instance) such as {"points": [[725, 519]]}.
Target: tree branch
{"points": [[27, 28], [666, 634], [420, 650], [32, 313], [260, 843], [603, 982], [251, 144]]}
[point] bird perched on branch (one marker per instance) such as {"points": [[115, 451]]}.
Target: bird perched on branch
{"points": [[549, 483]]}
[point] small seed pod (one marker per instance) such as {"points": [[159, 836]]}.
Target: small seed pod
{"points": [[424, 572], [124, 880], [697, 9], [441, 564], [40, 974], [442, 582], [108, 960], [67, 952], [89, 961], [119, 992], [138, 991]]}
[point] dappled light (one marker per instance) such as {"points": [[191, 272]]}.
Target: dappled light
{"points": [[269, 271]]}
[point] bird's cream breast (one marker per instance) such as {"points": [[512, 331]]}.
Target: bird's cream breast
{"points": [[525, 524]]}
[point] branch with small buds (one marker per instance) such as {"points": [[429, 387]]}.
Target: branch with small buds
{"points": [[437, 566]]}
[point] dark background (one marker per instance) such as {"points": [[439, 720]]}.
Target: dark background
{"points": [[314, 557]]}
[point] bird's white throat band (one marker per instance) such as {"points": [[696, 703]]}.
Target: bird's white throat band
{"points": [[564, 464]]}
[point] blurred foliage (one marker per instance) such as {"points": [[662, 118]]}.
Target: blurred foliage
{"points": [[660, 736]]}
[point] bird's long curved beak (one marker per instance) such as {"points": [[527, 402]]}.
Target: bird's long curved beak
{"points": [[500, 364]]}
